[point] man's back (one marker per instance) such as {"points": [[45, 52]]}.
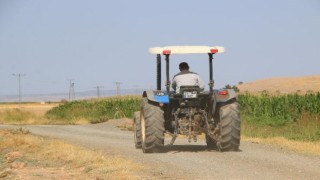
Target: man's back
{"points": [[186, 78]]}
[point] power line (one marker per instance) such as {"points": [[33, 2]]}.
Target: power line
{"points": [[19, 79]]}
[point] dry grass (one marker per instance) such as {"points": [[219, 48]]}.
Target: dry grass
{"points": [[311, 148], [36, 108], [40, 158], [124, 124], [31, 113]]}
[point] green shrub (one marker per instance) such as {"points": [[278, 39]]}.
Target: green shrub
{"points": [[95, 111]]}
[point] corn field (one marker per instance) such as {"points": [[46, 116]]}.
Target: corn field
{"points": [[289, 107], [292, 116]]}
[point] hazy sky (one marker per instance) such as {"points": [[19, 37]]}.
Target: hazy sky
{"points": [[100, 42]]}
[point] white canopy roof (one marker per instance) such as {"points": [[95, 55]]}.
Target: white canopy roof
{"points": [[186, 49]]}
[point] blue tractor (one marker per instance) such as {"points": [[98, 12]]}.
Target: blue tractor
{"points": [[191, 112]]}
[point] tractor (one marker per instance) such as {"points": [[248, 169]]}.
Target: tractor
{"points": [[191, 112]]}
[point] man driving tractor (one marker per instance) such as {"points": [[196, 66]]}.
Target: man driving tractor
{"points": [[186, 78]]}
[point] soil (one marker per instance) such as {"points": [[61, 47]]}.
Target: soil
{"points": [[186, 160]]}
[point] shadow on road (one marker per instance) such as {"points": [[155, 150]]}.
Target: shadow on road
{"points": [[184, 148], [190, 148]]}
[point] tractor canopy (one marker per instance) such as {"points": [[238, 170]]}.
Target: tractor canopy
{"points": [[186, 50], [168, 50]]}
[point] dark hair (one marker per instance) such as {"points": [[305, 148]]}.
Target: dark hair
{"points": [[183, 66]]}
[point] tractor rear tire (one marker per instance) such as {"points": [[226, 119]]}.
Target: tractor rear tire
{"points": [[152, 127], [229, 127], [137, 130]]}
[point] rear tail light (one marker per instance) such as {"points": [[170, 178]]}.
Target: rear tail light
{"points": [[166, 52], [213, 50], [223, 92]]}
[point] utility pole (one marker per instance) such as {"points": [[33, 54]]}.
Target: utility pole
{"points": [[98, 90], [71, 90], [118, 87], [19, 79], [73, 94]]}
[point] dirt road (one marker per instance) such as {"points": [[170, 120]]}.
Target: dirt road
{"points": [[189, 161]]}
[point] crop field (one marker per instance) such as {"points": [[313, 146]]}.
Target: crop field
{"points": [[290, 107], [292, 116]]}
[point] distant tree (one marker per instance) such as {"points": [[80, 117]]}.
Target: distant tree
{"points": [[228, 86], [63, 101], [235, 88], [240, 82]]}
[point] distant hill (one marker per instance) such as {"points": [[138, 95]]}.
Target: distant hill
{"points": [[283, 84]]}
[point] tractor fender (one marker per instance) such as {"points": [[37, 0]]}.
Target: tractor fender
{"points": [[224, 95], [221, 97], [156, 96]]}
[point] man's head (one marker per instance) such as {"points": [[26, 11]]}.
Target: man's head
{"points": [[183, 66]]}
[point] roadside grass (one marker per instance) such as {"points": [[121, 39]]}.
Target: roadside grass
{"points": [[21, 150], [309, 148], [305, 129], [16, 116]]}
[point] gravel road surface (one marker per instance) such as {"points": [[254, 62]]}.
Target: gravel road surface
{"points": [[186, 160]]}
